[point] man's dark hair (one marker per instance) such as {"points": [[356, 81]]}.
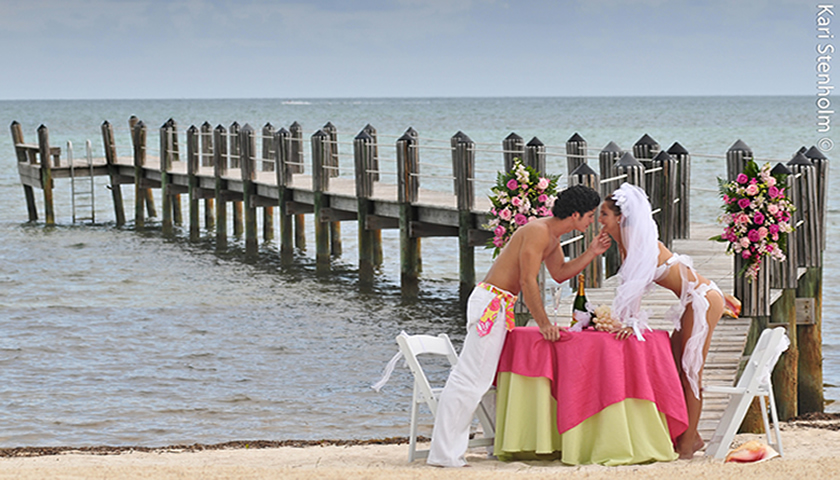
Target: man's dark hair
{"points": [[579, 198]]}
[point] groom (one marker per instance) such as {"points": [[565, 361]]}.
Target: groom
{"points": [[490, 313]]}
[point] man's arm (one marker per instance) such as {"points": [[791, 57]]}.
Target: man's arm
{"points": [[530, 259], [561, 270]]}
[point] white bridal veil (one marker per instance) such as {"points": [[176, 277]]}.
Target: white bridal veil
{"points": [[640, 237]]}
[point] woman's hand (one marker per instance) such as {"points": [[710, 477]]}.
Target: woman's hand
{"points": [[623, 333], [551, 332]]}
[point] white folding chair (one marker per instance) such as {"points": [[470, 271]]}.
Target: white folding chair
{"points": [[413, 345], [754, 382]]}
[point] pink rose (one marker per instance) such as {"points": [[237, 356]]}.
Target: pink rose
{"points": [[744, 203], [745, 254], [762, 233], [745, 242], [773, 192], [499, 242], [742, 178], [773, 209], [752, 190], [774, 229], [543, 183], [753, 235], [543, 198], [520, 219], [511, 184], [505, 214], [516, 201], [742, 219], [725, 198], [500, 231], [758, 218], [771, 181]]}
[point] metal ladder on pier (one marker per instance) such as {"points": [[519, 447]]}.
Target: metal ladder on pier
{"points": [[82, 199]]}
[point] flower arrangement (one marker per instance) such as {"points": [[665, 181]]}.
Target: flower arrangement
{"points": [[520, 195], [757, 217]]}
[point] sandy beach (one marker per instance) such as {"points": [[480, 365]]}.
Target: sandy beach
{"points": [[811, 450]]}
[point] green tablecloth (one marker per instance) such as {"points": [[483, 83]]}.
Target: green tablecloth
{"points": [[628, 432]]}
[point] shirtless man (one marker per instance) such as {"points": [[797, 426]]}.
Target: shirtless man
{"points": [[490, 313]]}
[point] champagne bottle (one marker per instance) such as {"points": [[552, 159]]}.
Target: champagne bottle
{"points": [[580, 314]]}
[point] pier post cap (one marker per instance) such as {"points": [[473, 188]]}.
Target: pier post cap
{"points": [[235, 124], [268, 125], [646, 140], [582, 170], [170, 121], [192, 129], [407, 138], [464, 138], [612, 147], [220, 128], [677, 149], [814, 153], [206, 124], [104, 124], [801, 159], [364, 136], [327, 126], [627, 160], [535, 142], [282, 131], [663, 156], [411, 131], [369, 128], [15, 122], [295, 126], [780, 169], [42, 127], [457, 137], [576, 138], [320, 133], [246, 128], [740, 146], [513, 136]]}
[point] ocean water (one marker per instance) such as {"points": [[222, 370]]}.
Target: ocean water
{"points": [[112, 336]]}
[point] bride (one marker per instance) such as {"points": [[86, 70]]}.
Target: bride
{"points": [[626, 216]]}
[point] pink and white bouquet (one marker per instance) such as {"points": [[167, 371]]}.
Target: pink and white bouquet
{"points": [[520, 195], [757, 217]]}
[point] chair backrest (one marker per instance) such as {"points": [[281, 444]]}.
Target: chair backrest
{"points": [[413, 345], [763, 358]]}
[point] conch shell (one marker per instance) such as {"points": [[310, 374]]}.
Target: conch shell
{"points": [[752, 451], [732, 306]]}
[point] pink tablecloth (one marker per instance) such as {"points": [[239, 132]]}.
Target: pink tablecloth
{"points": [[591, 370]]}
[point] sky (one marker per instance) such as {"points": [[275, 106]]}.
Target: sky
{"points": [[115, 49]]}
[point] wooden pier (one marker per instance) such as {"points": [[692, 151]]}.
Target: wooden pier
{"points": [[223, 166]]}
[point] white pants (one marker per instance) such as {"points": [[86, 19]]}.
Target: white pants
{"points": [[469, 380]]}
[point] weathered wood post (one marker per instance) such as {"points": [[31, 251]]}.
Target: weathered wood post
{"points": [[464, 176], [754, 295], [513, 146], [415, 160], [192, 172], [374, 168], [809, 292], [148, 198], [296, 149], [363, 152], [666, 191], [644, 150], [23, 157], [247, 145], [821, 164], [332, 171], [535, 155], [407, 191], [783, 275], [576, 154], [235, 153], [456, 162], [606, 162], [268, 154], [177, 214], [138, 138], [110, 145], [207, 161], [165, 166], [220, 167], [320, 185], [284, 180], [593, 274], [46, 173], [682, 209]]}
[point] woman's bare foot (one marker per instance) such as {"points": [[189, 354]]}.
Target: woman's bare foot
{"points": [[687, 453]]}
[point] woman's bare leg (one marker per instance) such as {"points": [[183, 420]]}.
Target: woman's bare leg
{"points": [[689, 442]]}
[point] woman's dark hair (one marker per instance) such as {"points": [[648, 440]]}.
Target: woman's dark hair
{"points": [[577, 199], [610, 203]]}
